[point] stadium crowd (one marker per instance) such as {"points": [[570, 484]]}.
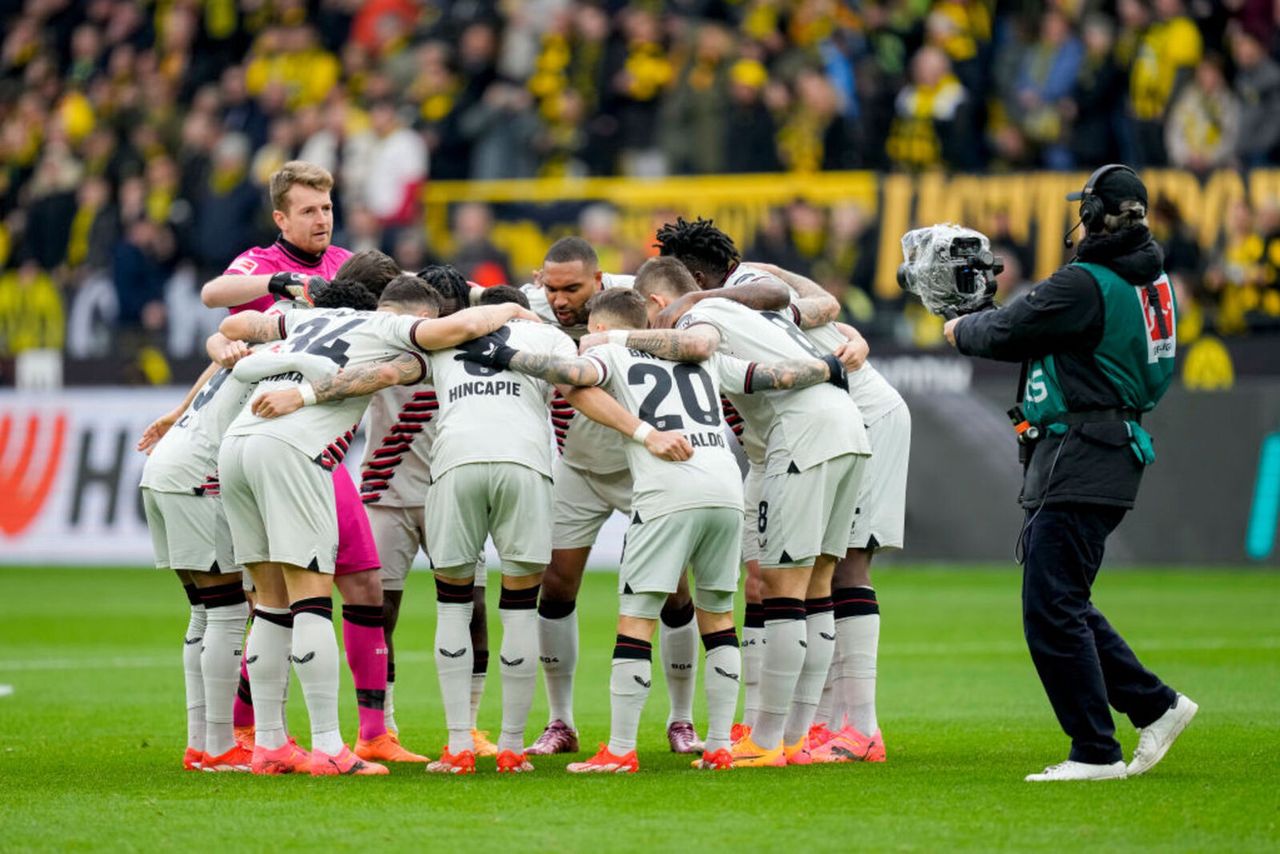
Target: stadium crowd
{"points": [[137, 137]]}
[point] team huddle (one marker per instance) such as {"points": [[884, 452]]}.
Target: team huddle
{"points": [[527, 416]]}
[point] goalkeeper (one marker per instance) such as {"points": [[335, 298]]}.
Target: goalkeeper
{"points": [[1096, 342]]}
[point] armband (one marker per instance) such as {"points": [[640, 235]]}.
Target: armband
{"points": [[308, 393]]}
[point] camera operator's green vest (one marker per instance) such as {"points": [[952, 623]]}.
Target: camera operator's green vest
{"points": [[1135, 354]]}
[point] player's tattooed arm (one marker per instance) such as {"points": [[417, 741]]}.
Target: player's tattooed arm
{"points": [[557, 370], [813, 305], [761, 295], [252, 326], [793, 373], [694, 344], [356, 381]]}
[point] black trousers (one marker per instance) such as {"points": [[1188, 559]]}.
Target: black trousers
{"points": [[1083, 662]]}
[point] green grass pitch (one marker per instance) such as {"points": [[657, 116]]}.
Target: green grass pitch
{"points": [[92, 732]]}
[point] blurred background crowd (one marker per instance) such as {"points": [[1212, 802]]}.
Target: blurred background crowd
{"points": [[136, 137]]}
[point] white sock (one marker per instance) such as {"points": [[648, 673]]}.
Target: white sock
{"points": [[558, 651], [192, 643], [784, 655], [477, 694], [629, 684], [220, 664], [518, 664], [389, 708], [752, 656], [722, 676], [859, 641], [315, 660], [454, 658], [267, 656], [831, 691], [826, 704], [820, 637], [678, 652]]}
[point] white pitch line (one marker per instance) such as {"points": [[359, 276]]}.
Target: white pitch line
{"points": [[911, 650]]}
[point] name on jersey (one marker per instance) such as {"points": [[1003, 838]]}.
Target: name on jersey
{"points": [[502, 388], [706, 440], [286, 377]]}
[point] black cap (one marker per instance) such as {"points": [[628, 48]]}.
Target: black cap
{"points": [[1114, 187]]}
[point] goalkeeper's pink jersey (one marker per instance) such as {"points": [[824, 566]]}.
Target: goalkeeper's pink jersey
{"points": [[283, 257], [356, 549]]}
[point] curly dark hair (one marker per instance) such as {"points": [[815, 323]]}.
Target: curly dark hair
{"points": [[449, 284], [701, 247], [344, 293]]}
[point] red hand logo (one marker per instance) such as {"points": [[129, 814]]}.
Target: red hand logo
{"points": [[21, 502]]}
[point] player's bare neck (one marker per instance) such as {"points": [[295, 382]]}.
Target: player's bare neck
{"points": [[302, 256]]}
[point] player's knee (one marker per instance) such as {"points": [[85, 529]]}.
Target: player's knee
{"points": [[675, 612]]}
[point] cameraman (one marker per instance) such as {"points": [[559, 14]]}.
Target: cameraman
{"points": [[1097, 345]]}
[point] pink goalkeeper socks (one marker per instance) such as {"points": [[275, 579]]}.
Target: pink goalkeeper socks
{"points": [[242, 711], [366, 644]]}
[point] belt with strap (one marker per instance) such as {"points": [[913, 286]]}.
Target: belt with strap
{"points": [[1094, 415]]}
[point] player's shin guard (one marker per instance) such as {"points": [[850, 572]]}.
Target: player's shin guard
{"points": [[454, 659], [752, 655], [226, 610], [267, 656], [722, 677], [820, 640], [518, 663], [784, 655], [192, 642], [558, 652], [364, 636], [858, 637], [628, 690], [315, 660], [678, 652]]}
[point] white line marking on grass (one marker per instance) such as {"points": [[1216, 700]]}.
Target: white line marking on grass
{"points": [[932, 650]]}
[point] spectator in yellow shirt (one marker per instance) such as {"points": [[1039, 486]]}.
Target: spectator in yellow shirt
{"points": [[1165, 55]]}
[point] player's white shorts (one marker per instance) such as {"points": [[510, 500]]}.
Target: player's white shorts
{"points": [[399, 533], [279, 504], [803, 514], [508, 501], [752, 489], [882, 498], [583, 503], [188, 531], [657, 551]]}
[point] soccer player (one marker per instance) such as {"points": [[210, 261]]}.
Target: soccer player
{"points": [[282, 513], [303, 211], [881, 507], [591, 482], [684, 513], [815, 453]]}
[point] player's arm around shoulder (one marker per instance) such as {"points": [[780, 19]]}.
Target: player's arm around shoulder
{"points": [[744, 377], [695, 341], [813, 306], [445, 332], [255, 326], [355, 381]]}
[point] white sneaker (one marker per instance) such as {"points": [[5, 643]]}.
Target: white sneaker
{"points": [[1155, 740], [1071, 770]]}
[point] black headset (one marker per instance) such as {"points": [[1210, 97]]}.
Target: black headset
{"points": [[1092, 209]]}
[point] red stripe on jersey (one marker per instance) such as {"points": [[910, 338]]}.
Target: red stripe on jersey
{"points": [[391, 450]]}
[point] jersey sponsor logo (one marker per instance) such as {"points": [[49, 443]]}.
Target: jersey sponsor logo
{"points": [[244, 265], [507, 388], [25, 484], [1159, 346]]}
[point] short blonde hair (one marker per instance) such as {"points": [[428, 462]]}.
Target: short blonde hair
{"points": [[297, 172]]}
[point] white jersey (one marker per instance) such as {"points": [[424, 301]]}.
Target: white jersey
{"points": [[676, 396], [490, 416], [583, 443], [323, 432], [870, 391], [186, 459], [399, 431], [800, 428]]}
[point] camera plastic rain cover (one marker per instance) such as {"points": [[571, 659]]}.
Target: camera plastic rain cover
{"points": [[931, 265]]}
